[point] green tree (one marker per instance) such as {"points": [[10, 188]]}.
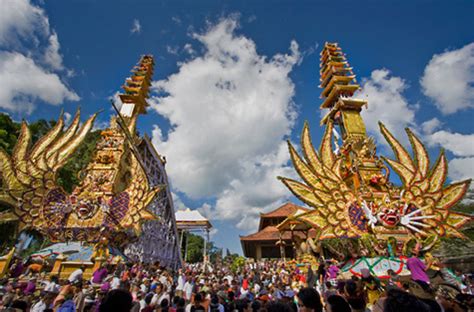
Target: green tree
{"points": [[195, 246], [9, 131], [69, 175], [39, 128], [237, 264], [215, 253]]}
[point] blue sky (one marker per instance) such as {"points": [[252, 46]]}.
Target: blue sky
{"points": [[235, 79]]}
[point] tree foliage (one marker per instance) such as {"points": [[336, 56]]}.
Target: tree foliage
{"points": [[69, 175], [237, 264], [194, 245], [9, 131]]}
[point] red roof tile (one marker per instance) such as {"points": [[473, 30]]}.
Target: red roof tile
{"points": [[283, 211], [270, 233]]}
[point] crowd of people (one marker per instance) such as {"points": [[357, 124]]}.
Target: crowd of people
{"points": [[262, 286]]}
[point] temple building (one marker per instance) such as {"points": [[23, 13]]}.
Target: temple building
{"points": [[267, 242]]}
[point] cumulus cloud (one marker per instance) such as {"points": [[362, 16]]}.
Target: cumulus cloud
{"points": [[30, 59], [256, 189], [431, 125], [387, 103], [458, 144], [19, 21], [52, 57], [23, 82], [136, 27], [461, 168], [448, 79], [229, 110]]}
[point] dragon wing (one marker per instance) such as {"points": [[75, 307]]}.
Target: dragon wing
{"points": [[140, 195], [426, 188], [324, 188], [30, 172]]}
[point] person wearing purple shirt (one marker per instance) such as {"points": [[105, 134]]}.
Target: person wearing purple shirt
{"points": [[30, 287], [99, 275], [16, 269], [332, 271], [418, 270]]}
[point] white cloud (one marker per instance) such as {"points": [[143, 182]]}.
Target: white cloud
{"points": [[229, 110], [431, 125], [172, 50], [67, 118], [23, 82], [461, 168], [52, 56], [28, 41], [448, 79], [136, 27], [189, 49], [177, 202], [256, 189], [100, 124], [116, 100], [459, 144], [213, 232], [20, 20], [387, 104], [71, 73]]}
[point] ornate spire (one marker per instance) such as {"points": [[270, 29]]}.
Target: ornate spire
{"points": [[339, 85], [136, 88]]}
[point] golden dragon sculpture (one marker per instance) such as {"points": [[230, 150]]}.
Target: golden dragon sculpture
{"points": [[348, 186], [113, 196]]}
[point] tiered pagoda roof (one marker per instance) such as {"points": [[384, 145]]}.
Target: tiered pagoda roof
{"points": [[267, 230], [137, 86]]}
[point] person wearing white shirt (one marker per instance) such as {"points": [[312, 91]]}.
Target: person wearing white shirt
{"points": [[115, 283], [188, 289], [181, 282], [40, 306], [52, 286], [145, 286], [43, 304], [76, 275], [160, 294]]}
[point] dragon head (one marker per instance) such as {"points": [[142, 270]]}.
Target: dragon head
{"points": [[388, 217]]}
